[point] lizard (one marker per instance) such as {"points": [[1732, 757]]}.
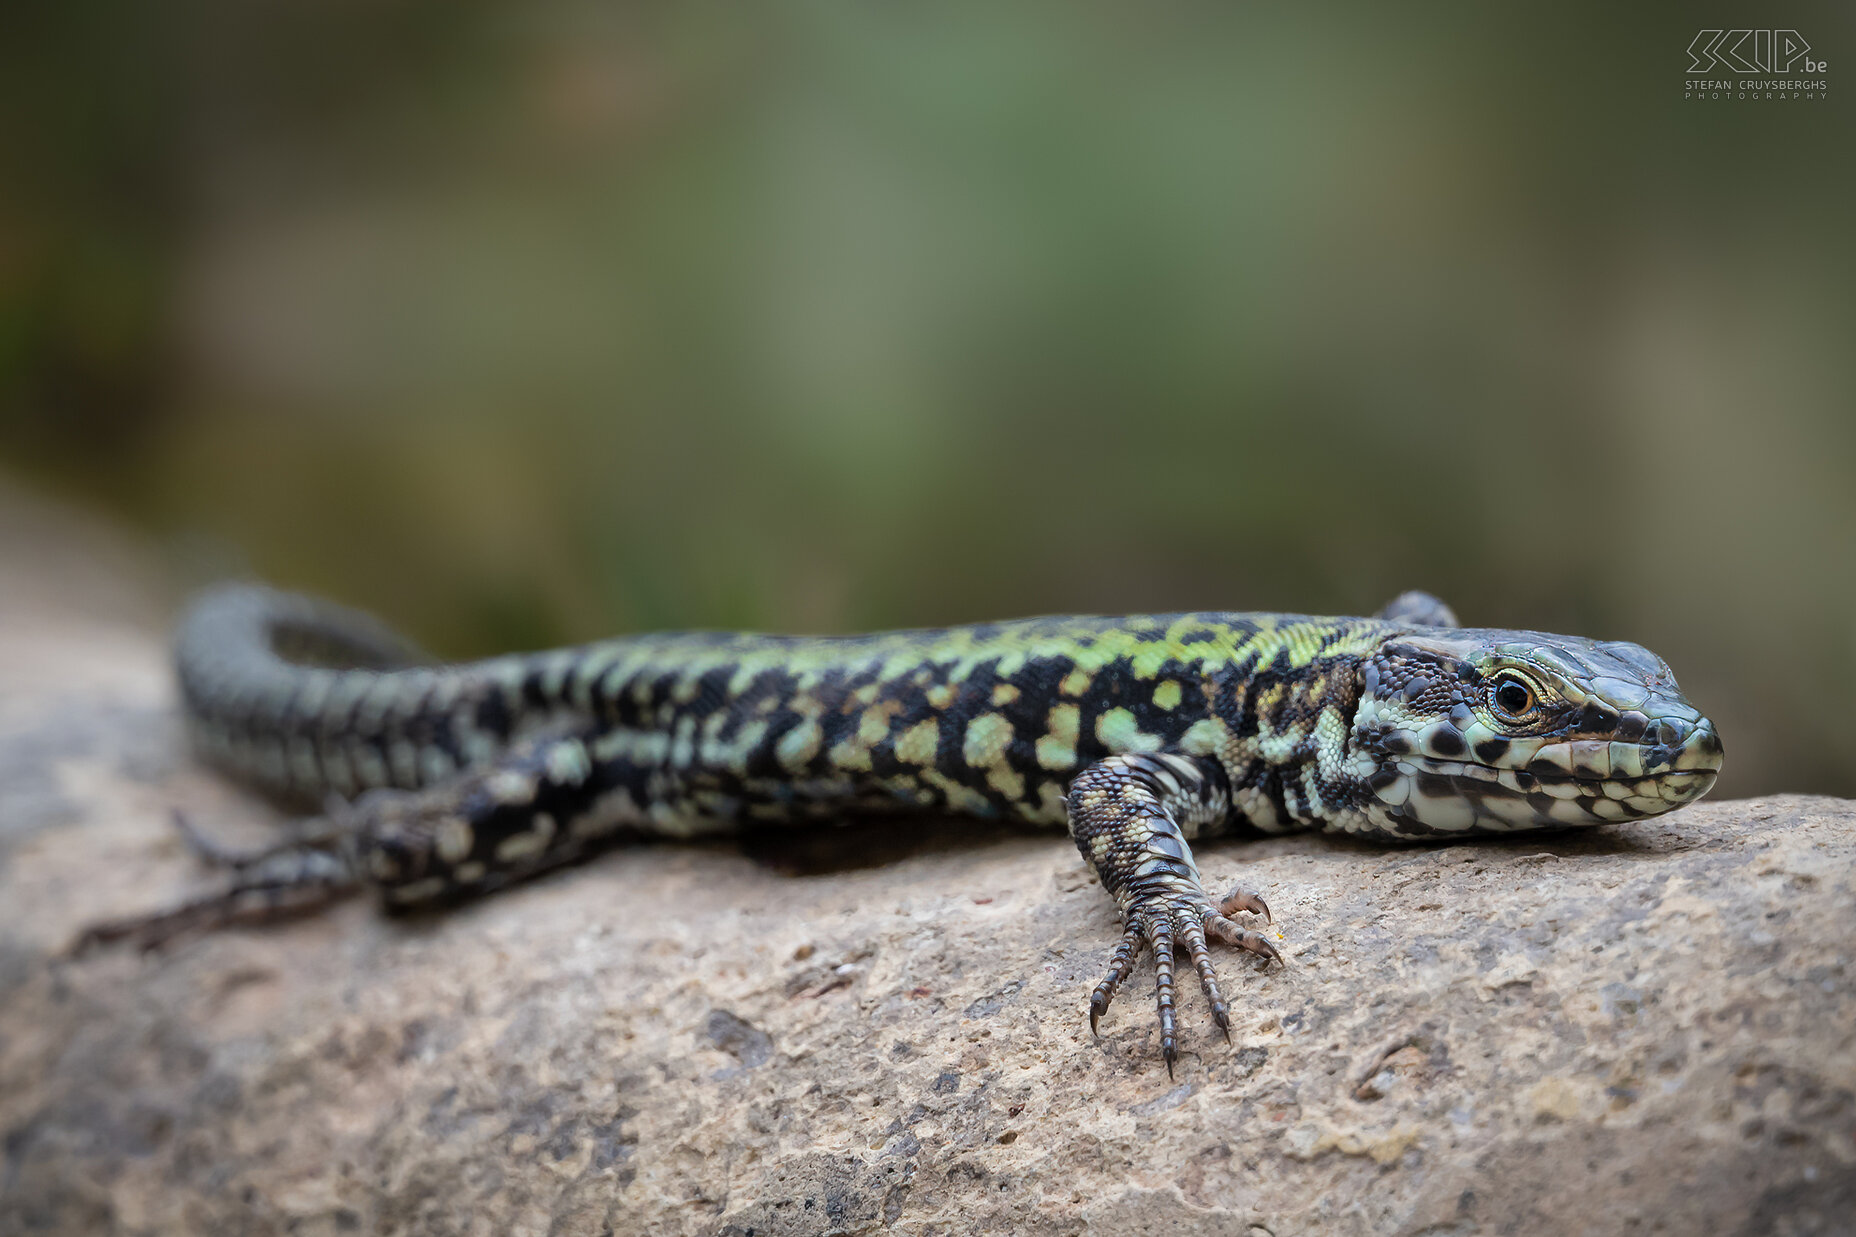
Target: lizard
{"points": [[1140, 734]]}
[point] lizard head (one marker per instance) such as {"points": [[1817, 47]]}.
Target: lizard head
{"points": [[1482, 731]]}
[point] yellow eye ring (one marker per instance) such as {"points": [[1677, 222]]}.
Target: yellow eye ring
{"points": [[1512, 698]]}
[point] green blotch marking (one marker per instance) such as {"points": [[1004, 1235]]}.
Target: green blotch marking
{"points": [[1056, 747], [1204, 737], [1117, 730], [567, 762], [798, 746], [917, 744], [986, 740], [851, 757]]}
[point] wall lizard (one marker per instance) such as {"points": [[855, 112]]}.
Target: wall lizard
{"points": [[1139, 733]]}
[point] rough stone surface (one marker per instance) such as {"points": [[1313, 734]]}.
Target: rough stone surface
{"points": [[1635, 1029]]}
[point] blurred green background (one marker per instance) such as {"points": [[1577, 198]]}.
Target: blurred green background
{"points": [[529, 321]]}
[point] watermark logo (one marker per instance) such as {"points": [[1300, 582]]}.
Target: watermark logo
{"points": [[1790, 69], [1751, 51]]}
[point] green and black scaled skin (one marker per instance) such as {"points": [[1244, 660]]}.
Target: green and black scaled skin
{"points": [[1139, 733]]}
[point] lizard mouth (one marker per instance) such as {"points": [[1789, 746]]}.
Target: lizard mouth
{"points": [[1433, 795], [1658, 785]]}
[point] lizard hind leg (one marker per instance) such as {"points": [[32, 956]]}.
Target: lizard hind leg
{"points": [[289, 880], [320, 832], [1418, 608]]}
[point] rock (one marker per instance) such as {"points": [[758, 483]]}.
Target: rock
{"points": [[1630, 1029]]}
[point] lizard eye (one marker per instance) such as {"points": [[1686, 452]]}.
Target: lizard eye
{"points": [[1511, 698]]}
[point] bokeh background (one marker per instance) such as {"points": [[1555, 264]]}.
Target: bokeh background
{"points": [[529, 321]]}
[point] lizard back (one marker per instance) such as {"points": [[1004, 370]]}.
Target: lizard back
{"points": [[306, 699]]}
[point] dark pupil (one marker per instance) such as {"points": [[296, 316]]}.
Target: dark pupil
{"points": [[1512, 697]]}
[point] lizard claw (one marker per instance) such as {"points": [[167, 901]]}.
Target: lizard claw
{"points": [[1243, 938], [1125, 953], [1245, 900]]}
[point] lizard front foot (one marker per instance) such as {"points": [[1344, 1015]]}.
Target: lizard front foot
{"points": [[1125, 816], [1168, 923]]}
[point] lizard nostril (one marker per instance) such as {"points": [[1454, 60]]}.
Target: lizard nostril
{"points": [[1703, 749]]}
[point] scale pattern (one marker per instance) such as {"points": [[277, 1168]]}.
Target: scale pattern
{"points": [[1139, 733]]}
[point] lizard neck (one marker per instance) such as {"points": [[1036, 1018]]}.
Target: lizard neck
{"points": [[1287, 742]]}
